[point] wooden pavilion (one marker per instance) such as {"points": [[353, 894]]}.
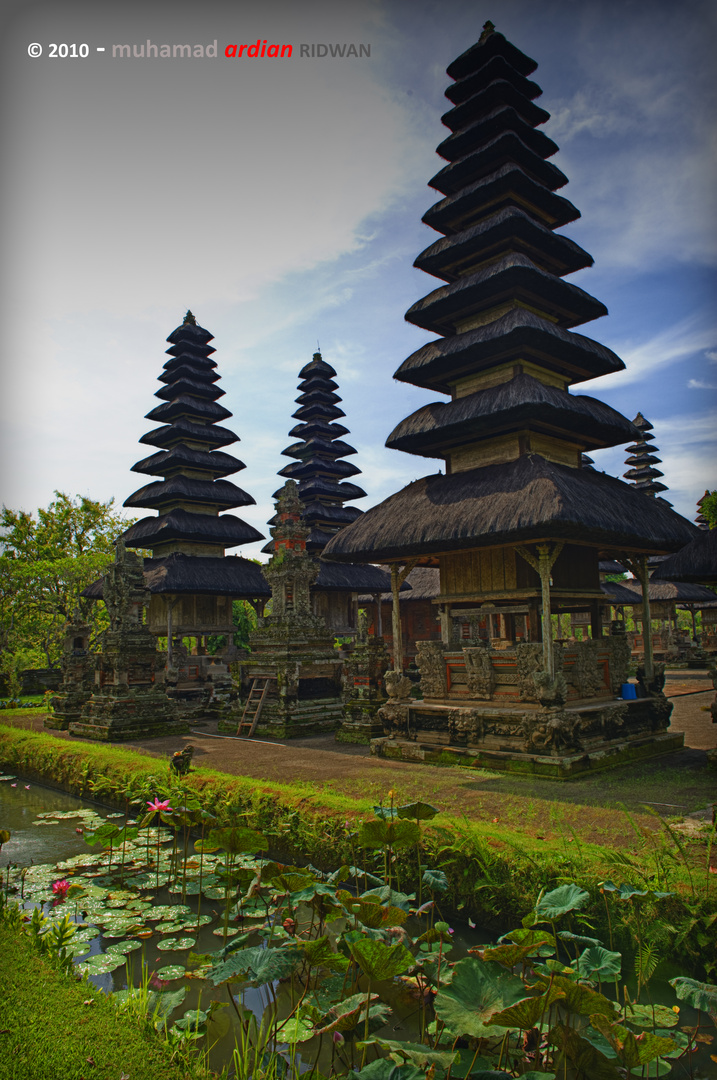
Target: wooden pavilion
{"points": [[515, 523]]}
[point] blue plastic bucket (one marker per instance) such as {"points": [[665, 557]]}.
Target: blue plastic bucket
{"points": [[628, 691]]}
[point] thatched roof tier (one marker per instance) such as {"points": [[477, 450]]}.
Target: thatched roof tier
{"points": [[525, 500], [318, 397], [191, 384], [318, 382], [695, 562], [619, 594], [645, 458], [208, 435], [611, 566], [322, 428], [225, 531], [326, 514], [494, 44], [682, 592], [221, 494], [502, 150], [188, 405], [506, 186], [642, 473], [228, 576], [316, 466], [192, 336], [510, 229], [182, 457], [315, 446], [486, 100], [521, 403], [424, 583], [317, 486], [512, 277], [351, 577], [518, 335], [317, 366], [185, 361], [504, 118], [318, 411], [496, 68]]}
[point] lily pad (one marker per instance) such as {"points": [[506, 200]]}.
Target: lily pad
{"points": [[560, 901], [642, 1016], [172, 944], [124, 947], [171, 971], [103, 962], [8, 778]]}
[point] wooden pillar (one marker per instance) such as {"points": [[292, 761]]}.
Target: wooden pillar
{"points": [[397, 579], [543, 566], [378, 628], [595, 619], [170, 601]]}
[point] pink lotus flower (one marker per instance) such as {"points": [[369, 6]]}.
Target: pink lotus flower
{"points": [[158, 806], [60, 889]]}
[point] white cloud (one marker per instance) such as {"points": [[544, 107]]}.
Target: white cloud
{"points": [[698, 384], [712, 355], [676, 342]]}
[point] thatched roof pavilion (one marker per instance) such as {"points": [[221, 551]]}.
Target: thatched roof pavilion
{"points": [[697, 561], [518, 515]]}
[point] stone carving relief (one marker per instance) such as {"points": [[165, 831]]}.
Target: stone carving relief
{"points": [[529, 659], [432, 666], [551, 692], [619, 649], [655, 685], [586, 674], [551, 733], [398, 686], [479, 670]]}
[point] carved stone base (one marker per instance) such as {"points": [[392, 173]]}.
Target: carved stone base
{"points": [[555, 740], [360, 722], [124, 713], [566, 767]]}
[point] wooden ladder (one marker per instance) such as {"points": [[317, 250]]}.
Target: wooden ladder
{"points": [[254, 705]]}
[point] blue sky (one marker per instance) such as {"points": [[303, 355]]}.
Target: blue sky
{"points": [[281, 201]]}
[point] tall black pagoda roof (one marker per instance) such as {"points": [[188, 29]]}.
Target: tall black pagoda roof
{"points": [[513, 437], [193, 492]]}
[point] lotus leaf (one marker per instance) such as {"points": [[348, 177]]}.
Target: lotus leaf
{"points": [[596, 960], [697, 994], [214, 894], [421, 1056], [378, 960], [393, 833], [257, 965], [477, 990], [526, 1014], [296, 1030], [219, 931], [178, 944], [320, 953], [624, 891], [386, 1069], [346, 1014], [8, 778], [587, 1059], [582, 1000], [560, 901], [419, 811], [388, 896]]}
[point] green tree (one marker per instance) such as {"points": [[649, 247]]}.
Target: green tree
{"points": [[708, 506], [46, 560]]}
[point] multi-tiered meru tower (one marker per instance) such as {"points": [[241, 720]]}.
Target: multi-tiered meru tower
{"points": [[321, 472], [191, 582], [515, 523]]}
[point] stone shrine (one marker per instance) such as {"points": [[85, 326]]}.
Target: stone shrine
{"points": [[129, 699]]}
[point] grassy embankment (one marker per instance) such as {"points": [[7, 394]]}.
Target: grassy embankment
{"points": [[55, 1028]]}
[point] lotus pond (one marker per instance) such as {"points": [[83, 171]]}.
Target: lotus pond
{"points": [[273, 969]]}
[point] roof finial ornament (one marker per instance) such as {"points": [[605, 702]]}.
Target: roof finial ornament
{"points": [[488, 28], [189, 319]]}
